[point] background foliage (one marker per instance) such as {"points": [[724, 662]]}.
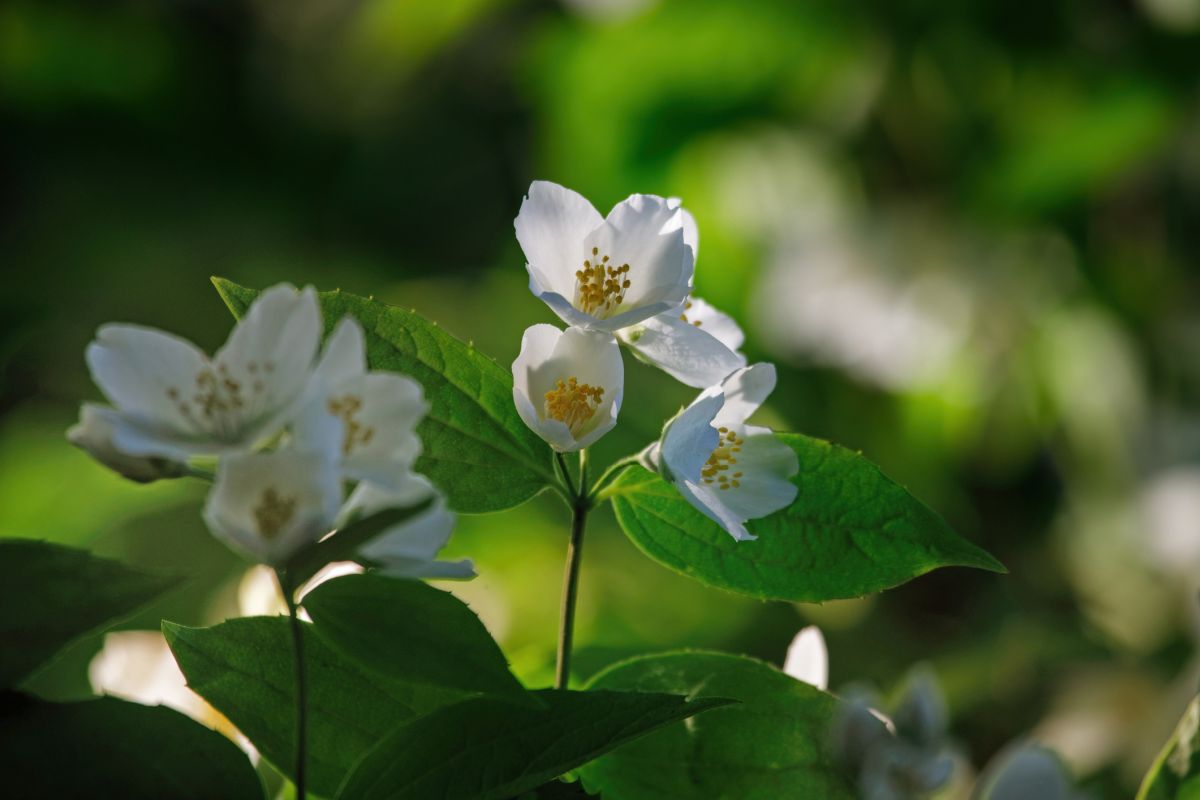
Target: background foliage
{"points": [[967, 235]]}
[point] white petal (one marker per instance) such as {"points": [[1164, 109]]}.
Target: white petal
{"points": [[379, 441], [682, 350], [247, 486], [715, 323], [767, 466], [745, 390], [551, 227], [808, 659], [344, 356], [709, 503], [689, 439], [691, 231], [94, 434]]}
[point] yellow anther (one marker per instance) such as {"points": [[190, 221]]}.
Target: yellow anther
{"points": [[599, 286], [273, 512], [721, 459], [573, 403], [355, 434]]}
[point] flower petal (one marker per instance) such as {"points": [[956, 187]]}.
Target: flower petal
{"points": [[767, 466], [689, 439], [808, 659], [715, 323], [551, 227], [710, 504], [95, 434], [745, 390], [682, 350], [379, 412]]}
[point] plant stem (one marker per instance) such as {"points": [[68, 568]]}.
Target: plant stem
{"points": [[566, 627], [609, 474], [566, 476], [299, 777]]}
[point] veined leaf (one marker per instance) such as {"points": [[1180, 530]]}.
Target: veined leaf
{"points": [[475, 446], [485, 749], [52, 595], [770, 746], [850, 531]]}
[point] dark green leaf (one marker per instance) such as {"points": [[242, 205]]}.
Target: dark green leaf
{"points": [[850, 531], [770, 746], [243, 667], [110, 748], [485, 748], [476, 448], [411, 632], [1176, 771], [52, 595]]}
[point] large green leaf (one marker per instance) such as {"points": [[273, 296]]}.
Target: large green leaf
{"points": [[850, 531], [1175, 774], [110, 748], [244, 668], [412, 632], [52, 595], [485, 748], [476, 448], [771, 746]]}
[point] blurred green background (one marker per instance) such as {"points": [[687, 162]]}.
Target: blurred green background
{"points": [[968, 234]]}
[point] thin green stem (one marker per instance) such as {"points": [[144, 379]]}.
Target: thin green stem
{"points": [[301, 694], [608, 475], [565, 474], [566, 625]]}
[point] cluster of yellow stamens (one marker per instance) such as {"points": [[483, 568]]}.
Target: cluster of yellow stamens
{"points": [[573, 403], [356, 434], [722, 458], [599, 286], [216, 392], [273, 512], [683, 316]]}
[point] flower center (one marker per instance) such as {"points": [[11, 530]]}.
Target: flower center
{"points": [[722, 458], [217, 395], [599, 286], [273, 512], [683, 316], [573, 403], [356, 434]]}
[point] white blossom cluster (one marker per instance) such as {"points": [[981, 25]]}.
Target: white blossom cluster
{"points": [[626, 279], [292, 427]]}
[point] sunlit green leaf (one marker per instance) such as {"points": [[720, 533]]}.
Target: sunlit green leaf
{"points": [[409, 631], [244, 668], [850, 531], [110, 748], [484, 749], [770, 746], [52, 595], [475, 446], [1175, 774]]}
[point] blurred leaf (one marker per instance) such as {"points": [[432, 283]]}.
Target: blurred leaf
{"points": [[111, 748], [1175, 774], [345, 544], [53, 595], [484, 749], [244, 668], [476, 448], [772, 745], [409, 631], [850, 531], [1025, 772]]}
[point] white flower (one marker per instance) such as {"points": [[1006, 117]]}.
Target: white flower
{"points": [[172, 401], [270, 505], [567, 385], [408, 549], [808, 659], [367, 420], [598, 273], [94, 434], [728, 470]]}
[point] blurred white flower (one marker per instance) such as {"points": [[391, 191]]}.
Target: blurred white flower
{"points": [[1025, 771], [604, 274], [568, 385], [366, 420], [808, 659], [728, 470], [172, 401], [94, 434], [270, 505]]}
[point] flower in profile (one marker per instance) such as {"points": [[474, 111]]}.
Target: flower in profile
{"points": [[808, 659], [94, 434], [567, 385], [172, 401], [271, 505], [367, 420], [730, 471], [604, 273]]}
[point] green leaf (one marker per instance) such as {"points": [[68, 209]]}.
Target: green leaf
{"points": [[771, 746], [486, 748], [411, 632], [1175, 774], [52, 595], [244, 668], [476, 448], [850, 531], [110, 748]]}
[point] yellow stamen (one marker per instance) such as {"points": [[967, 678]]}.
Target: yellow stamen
{"points": [[573, 403], [599, 286], [273, 512], [356, 434], [721, 459]]}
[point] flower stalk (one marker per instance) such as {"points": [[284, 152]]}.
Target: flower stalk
{"points": [[581, 503], [299, 775]]}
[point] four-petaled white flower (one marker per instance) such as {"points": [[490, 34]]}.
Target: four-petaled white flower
{"points": [[271, 505], [94, 434], [730, 471], [567, 385], [367, 420], [604, 273], [172, 401]]}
